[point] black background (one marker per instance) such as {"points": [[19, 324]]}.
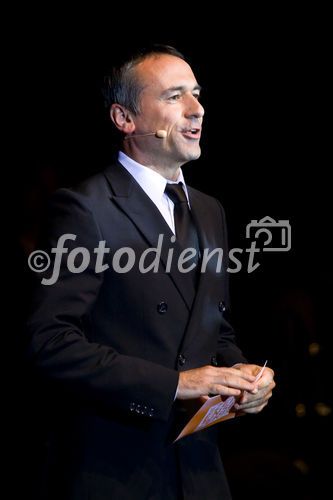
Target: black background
{"points": [[264, 153]]}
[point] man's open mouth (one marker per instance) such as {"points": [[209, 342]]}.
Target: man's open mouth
{"points": [[192, 133]]}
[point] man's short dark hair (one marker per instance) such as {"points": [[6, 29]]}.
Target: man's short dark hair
{"points": [[122, 86]]}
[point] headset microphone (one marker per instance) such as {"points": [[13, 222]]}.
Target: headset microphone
{"points": [[161, 134]]}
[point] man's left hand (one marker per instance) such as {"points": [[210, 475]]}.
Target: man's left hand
{"points": [[254, 403]]}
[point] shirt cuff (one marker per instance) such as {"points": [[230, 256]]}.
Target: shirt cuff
{"points": [[175, 395]]}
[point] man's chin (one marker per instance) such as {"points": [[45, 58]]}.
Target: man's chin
{"points": [[192, 155]]}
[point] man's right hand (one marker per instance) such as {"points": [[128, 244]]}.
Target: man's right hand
{"points": [[214, 380]]}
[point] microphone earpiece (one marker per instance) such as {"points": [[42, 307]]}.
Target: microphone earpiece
{"points": [[161, 134]]}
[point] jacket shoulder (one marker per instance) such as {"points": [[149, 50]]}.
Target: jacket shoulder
{"points": [[90, 192], [92, 187]]}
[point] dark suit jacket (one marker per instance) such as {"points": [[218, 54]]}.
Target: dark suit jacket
{"points": [[111, 344]]}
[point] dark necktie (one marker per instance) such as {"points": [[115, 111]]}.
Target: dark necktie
{"points": [[186, 232]]}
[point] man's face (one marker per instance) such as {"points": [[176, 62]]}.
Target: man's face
{"points": [[168, 101]]}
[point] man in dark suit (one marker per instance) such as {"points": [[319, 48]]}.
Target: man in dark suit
{"points": [[127, 342]]}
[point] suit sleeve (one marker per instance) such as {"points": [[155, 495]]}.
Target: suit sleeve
{"points": [[58, 346], [228, 352]]}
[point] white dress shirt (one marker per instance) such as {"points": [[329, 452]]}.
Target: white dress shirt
{"points": [[153, 185]]}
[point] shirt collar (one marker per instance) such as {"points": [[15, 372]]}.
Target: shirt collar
{"points": [[150, 181]]}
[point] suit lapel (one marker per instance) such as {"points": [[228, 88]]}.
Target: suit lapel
{"points": [[206, 227], [132, 200]]}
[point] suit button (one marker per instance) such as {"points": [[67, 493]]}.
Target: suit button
{"points": [[222, 306], [162, 307], [181, 360], [214, 361]]}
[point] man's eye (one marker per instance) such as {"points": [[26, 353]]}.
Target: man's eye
{"points": [[197, 96], [174, 97]]}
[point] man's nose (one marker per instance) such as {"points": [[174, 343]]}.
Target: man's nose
{"points": [[193, 107]]}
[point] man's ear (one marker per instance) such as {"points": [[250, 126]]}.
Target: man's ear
{"points": [[122, 119]]}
